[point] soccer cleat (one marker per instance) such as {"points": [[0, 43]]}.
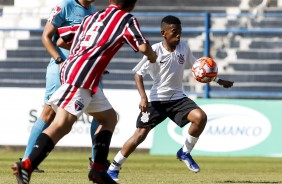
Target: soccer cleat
{"points": [[100, 177], [113, 174], [37, 170], [188, 160], [22, 175]]}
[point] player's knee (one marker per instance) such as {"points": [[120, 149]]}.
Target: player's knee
{"points": [[108, 119], [200, 118], [48, 114]]}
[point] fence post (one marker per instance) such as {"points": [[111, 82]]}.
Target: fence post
{"points": [[207, 47]]}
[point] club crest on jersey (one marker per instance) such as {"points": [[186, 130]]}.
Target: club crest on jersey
{"points": [[54, 12], [180, 59], [78, 105], [145, 117]]}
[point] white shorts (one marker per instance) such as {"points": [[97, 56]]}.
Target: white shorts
{"points": [[78, 100]]}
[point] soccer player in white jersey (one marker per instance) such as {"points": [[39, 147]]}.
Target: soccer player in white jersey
{"points": [[66, 13], [166, 99]]}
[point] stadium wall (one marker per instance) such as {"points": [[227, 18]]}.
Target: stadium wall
{"points": [[235, 127]]}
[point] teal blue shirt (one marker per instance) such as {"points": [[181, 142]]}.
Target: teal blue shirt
{"points": [[68, 13]]}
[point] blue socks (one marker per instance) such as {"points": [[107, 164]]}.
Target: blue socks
{"points": [[93, 128], [36, 130]]}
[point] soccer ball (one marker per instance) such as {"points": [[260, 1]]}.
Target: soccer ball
{"points": [[204, 69]]}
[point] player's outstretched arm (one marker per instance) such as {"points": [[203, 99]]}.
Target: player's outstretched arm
{"points": [[224, 83]]}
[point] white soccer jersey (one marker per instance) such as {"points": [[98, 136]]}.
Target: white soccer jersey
{"points": [[167, 74]]}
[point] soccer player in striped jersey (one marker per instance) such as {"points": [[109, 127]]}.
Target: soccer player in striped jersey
{"points": [[66, 13], [166, 99], [65, 41], [97, 40]]}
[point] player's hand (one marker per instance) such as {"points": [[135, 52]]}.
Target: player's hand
{"points": [[225, 83], [143, 104]]}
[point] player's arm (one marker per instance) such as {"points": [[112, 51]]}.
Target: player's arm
{"points": [[134, 37], [224, 83], [49, 31], [61, 43], [147, 50], [67, 34], [140, 86]]}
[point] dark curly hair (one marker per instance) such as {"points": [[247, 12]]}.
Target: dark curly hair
{"points": [[171, 20]]}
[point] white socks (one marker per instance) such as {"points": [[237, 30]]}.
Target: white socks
{"points": [[189, 144], [117, 162]]}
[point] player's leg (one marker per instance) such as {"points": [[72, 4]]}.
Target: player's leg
{"points": [[129, 146], [137, 138], [45, 143], [40, 124], [74, 107], [102, 139], [47, 115], [155, 114], [102, 111], [93, 127], [198, 120]]}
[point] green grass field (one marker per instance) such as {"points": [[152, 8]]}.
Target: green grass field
{"points": [[72, 168]]}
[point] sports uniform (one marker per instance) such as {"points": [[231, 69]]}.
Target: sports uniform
{"points": [[96, 41], [66, 13], [167, 98]]}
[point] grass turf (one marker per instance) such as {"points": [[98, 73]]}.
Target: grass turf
{"points": [[72, 168]]}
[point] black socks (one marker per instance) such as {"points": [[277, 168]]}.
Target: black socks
{"points": [[101, 146], [43, 146]]}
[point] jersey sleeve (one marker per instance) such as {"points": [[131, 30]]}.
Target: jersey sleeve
{"points": [[67, 33], [143, 70], [57, 16], [143, 67], [133, 34]]}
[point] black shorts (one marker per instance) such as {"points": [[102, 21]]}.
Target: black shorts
{"points": [[158, 111]]}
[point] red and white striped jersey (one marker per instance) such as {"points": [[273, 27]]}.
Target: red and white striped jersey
{"points": [[67, 33], [96, 41]]}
